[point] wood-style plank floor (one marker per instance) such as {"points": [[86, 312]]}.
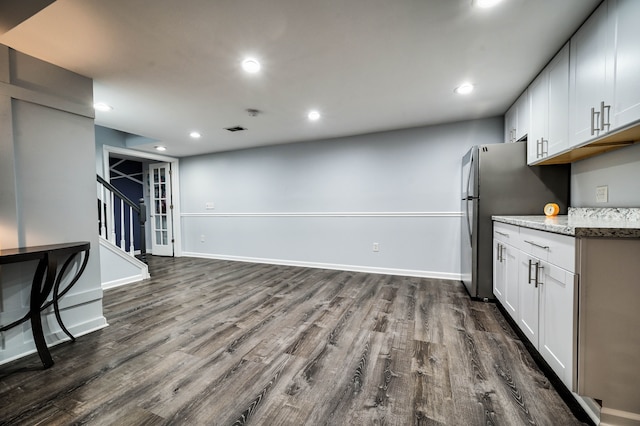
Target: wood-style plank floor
{"points": [[208, 342]]}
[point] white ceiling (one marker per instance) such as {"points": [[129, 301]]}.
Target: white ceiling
{"points": [[172, 66]]}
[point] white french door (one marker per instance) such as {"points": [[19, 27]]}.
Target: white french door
{"points": [[161, 209]]}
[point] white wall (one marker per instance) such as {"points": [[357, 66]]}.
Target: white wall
{"points": [[48, 191], [619, 170], [325, 203]]}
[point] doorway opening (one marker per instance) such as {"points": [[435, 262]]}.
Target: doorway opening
{"points": [[153, 178]]}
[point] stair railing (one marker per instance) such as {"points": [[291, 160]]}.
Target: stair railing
{"points": [[108, 196]]}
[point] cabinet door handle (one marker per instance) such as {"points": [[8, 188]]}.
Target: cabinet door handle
{"points": [[530, 263], [502, 253], [604, 107], [595, 120], [498, 252], [538, 268], [502, 233], [537, 245], [544, 152]]}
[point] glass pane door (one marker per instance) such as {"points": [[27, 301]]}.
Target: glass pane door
{"points": [[161, 209]]}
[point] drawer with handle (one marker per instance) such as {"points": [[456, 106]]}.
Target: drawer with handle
{"points": [[506, 233], [556, 248]]}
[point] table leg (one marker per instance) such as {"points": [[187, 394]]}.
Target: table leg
{"points": [[36, 303], [56, 289]]}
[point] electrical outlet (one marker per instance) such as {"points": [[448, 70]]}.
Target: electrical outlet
{"points": [[208, 205], [202, 238], [376, 247], [602, 194]]}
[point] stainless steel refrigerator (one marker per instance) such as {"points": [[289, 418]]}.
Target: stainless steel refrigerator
{"points": [[497, 181]]}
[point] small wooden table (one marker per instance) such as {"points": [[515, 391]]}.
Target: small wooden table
{"points": [[46, 278]]}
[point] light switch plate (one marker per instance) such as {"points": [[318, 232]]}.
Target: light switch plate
{"points": [[602, 194]]}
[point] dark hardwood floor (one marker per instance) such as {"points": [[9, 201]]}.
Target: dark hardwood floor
{"points": [[209, 342]]}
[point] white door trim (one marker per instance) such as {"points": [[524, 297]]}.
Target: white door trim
{"points": [[175, 184]]}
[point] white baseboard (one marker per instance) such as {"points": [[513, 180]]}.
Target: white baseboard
{"points": [[124, 281], [138, 269], [590, 407], [612, 417], [333, 266], [58, 337]]}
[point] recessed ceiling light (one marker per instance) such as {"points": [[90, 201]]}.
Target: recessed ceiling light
{"points": [[195, 135], [101, 106], [251, 65], [160, 148], [464, 89], [484, 4], [313, 115]]}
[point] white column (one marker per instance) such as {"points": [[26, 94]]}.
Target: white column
{"points": [[112, 218], [122, 241], [131, 248]]}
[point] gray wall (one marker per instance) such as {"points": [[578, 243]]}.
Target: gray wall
{"points": [[106, 136], [325, 203], [47, 190], [619, 170]]}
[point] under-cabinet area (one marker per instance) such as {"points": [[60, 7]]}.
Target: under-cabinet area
{"points": [[571, 286]]}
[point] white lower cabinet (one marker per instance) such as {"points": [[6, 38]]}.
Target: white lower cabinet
{"points": [[557, 323], [505, 276], [577, 303], [529, 302], [510, 259], [499, 271], [505, 266], [540, 295]]}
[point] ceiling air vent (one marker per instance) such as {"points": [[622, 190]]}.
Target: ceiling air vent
{"points": [[236, 128]]}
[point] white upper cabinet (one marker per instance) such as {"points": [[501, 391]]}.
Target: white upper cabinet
{"points": [[510, 124], [549, 102], [523, 112], [588, 77], [624, 17], [605, 65], [539, 102], [558, 121], [516, 120]]}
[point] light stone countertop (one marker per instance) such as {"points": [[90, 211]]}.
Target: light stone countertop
{"points": [[584, 222]]}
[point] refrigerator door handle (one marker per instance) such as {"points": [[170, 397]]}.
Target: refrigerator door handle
{"points": [[469, 176], [467, 215]]}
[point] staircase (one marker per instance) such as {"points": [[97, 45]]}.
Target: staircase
{"points": [[119, 263]]}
